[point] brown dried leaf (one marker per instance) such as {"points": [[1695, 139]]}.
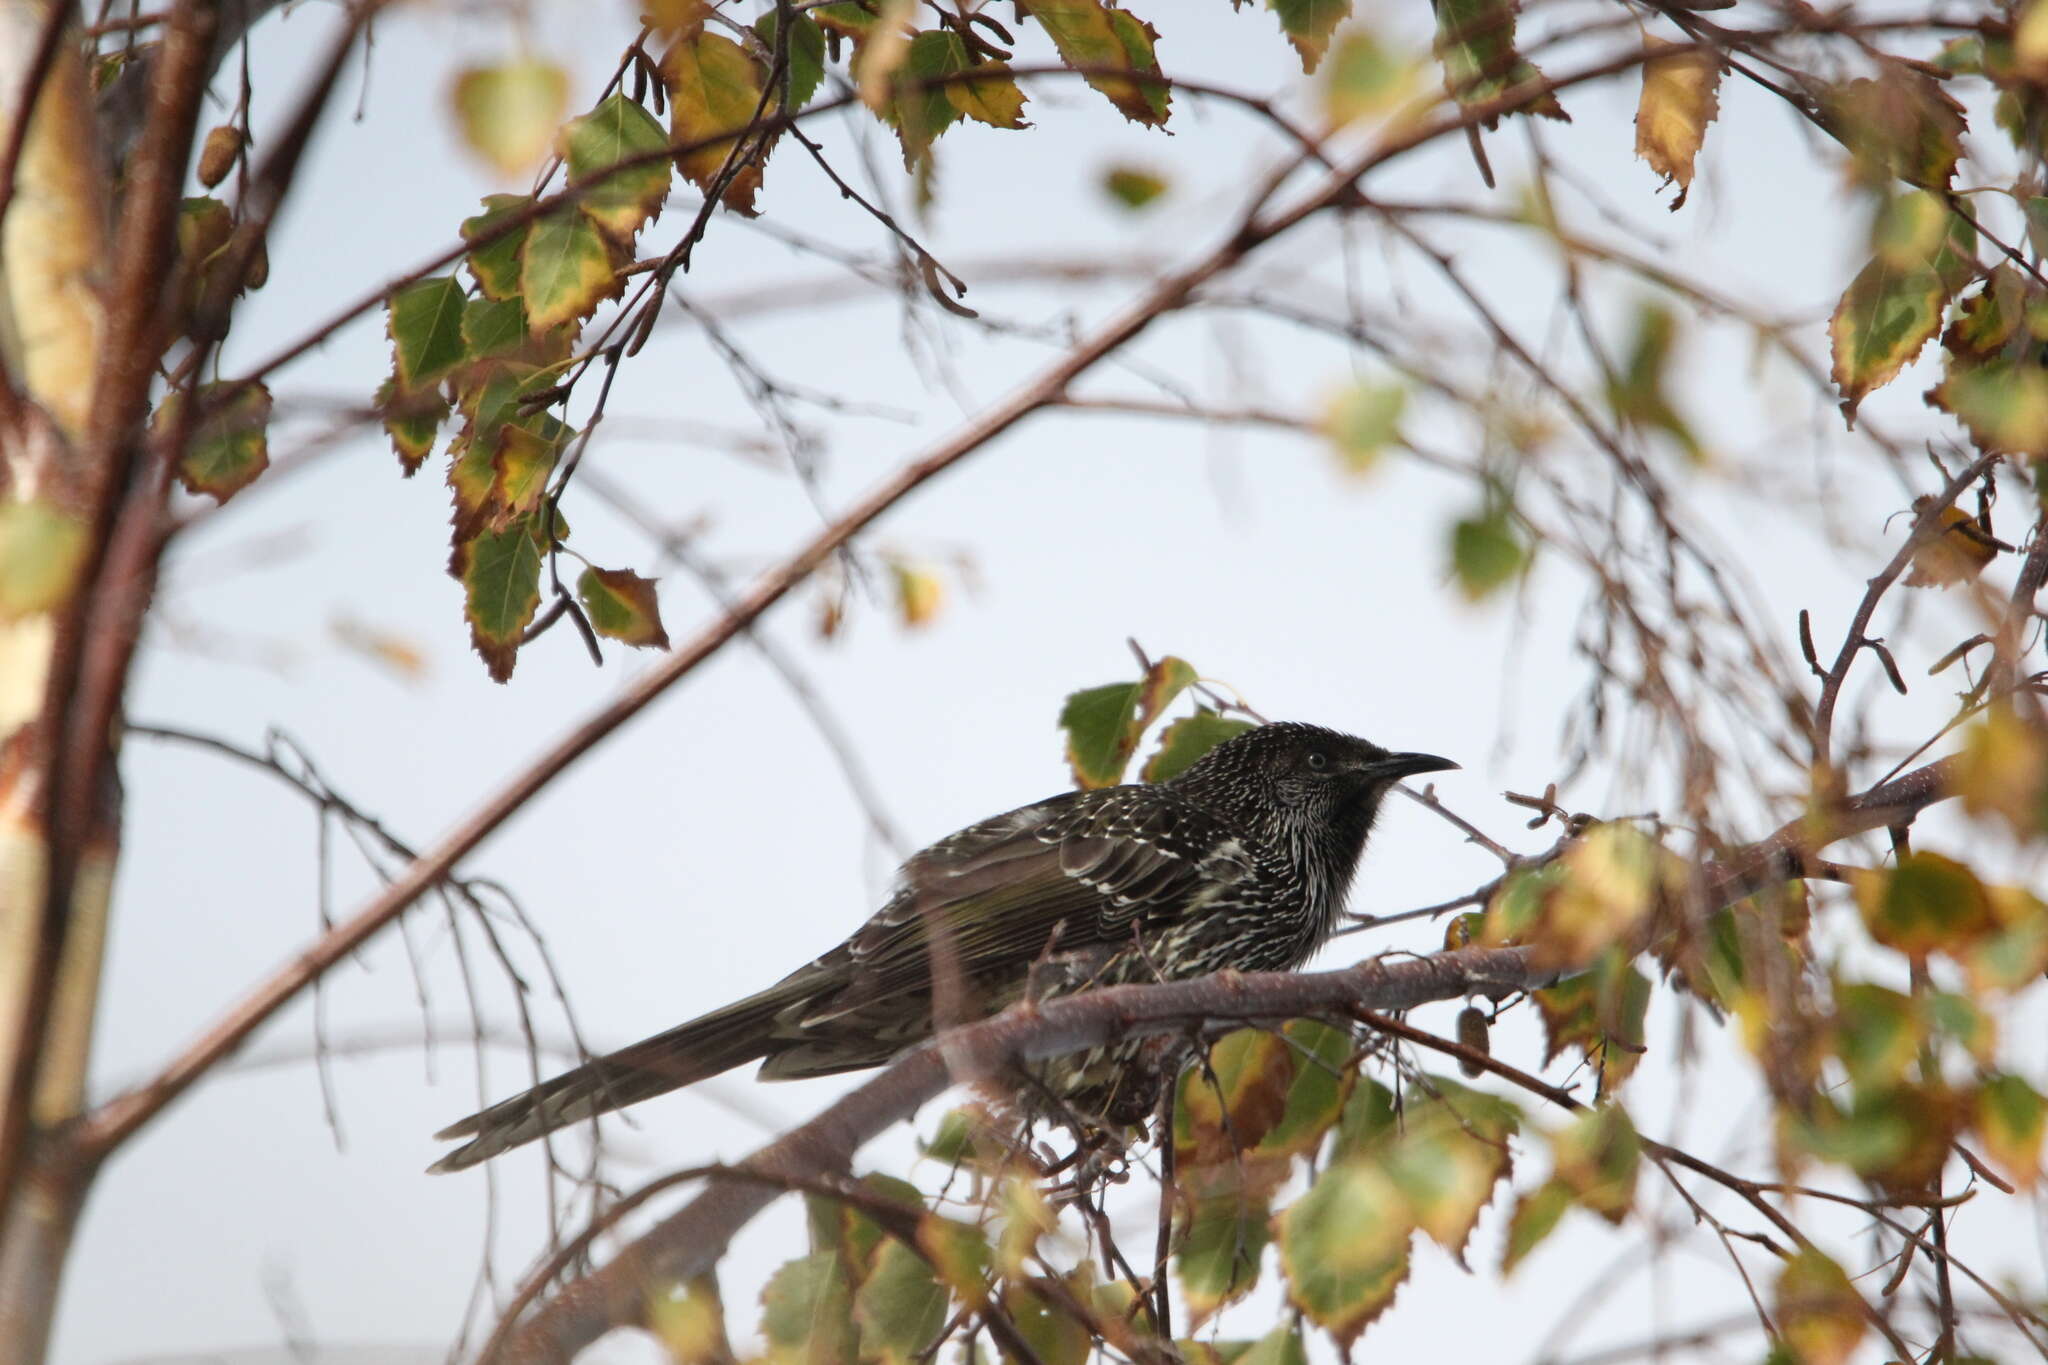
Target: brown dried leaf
{"points": [[1680, 98]]}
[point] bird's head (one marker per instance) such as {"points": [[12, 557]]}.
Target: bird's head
{"points": [[1302, 775]]}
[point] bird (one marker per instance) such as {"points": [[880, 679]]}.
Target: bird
{"points": [[1242, 861]]}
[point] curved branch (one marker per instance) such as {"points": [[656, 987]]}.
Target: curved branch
{"points": [[691, 1241]]}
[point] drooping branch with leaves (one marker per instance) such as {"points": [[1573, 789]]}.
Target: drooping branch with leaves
{"points": [[1863, 984]]}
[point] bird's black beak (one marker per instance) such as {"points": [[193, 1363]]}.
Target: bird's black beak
{"points": [[1397, 766]]}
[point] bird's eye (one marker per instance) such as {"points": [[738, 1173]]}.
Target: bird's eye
{"points": [[1318, 761]]}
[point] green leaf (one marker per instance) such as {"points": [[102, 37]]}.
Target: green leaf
{"points": [[1231, 1104], [2010, 1117], [494, 327], [715, 87], [1820, 1314], [42, 551], [424, 321], [1599, 1012], [1365, 78], [1446, 1178], [1091, 35], [1516, 910], [508, 112], [1222, 1240], [1486, 553], [491, 408], [1054, 1333], [618, 130], [919, 115], [847, 18], [1475, 42], [1214, 1351], [622, 605], [1450, 1154], [2017, 953], [1878, 1033], [227, 447], [959, 1255], [1364, 420], [1638, 394], [2004, 404], [1132, 188], [1096, 720], [1308, 24], [1596, 1157], [494, 263], [1281, 1346], [1027, 1216], [900, 1306], [806, 56], [204, 228], [1900, 125], [1898, 1136], [500, 574], [1953, 1017], [1368, 1123], [1186, 741], [960, 1138], [1104, 724], [1883, 319], [853, 1232], [1986, 321], [807, 1313], [1927, 903], [1323, 1075], [1343, 1246], [412, 421], [565, 269], [1535, 1217]]}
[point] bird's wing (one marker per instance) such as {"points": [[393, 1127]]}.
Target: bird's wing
{"points": [[1088, 866]]}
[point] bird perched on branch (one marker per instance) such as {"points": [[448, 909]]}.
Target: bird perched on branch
{"points": [[1241, 862]]}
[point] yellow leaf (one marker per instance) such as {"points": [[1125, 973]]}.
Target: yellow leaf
{"points": [[714, 88], [1956, 553], [2030, 42], [883, 54], [674, 17], [508, 112], [1098, 37], [2003, 770], [919, 593], [1366, 77], [42, 552], [691, 1324], [1820, 1314], [1679, 100], [993, 97], [381, 647], [2004, 404], [2010, 1117]]}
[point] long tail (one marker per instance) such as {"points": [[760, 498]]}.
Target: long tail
{"points": [[719, 1041]]}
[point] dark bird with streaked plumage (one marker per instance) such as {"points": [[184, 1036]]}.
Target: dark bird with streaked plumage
{"points": [[1243, 862]]}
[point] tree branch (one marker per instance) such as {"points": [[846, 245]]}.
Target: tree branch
{"points": [[1926, 526], [691, 1241]]}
